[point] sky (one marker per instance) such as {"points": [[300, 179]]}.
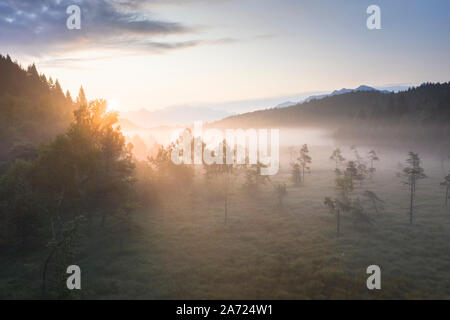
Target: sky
{"points": [[159, 53]]}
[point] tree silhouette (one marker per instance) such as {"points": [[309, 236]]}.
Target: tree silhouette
{"points": [[304, 160], [81, 98], [281, 190], [373, 157], [351, 171], [413, 173], [341, 204], [376, 202], [296, 174], [224, 174], [253, 177], [334, 208], [337, 157], [446, 184], [360, 166]]}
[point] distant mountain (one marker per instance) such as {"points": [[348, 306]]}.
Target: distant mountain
{"points": [[286, 104], [338, 92], [127, 125], [174, 116], [428, 104], [185, 115]]}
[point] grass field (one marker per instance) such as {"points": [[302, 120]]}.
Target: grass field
{"points": [[184, 250]]}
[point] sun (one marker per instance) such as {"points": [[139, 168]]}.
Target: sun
{"points": [[113, 105]]}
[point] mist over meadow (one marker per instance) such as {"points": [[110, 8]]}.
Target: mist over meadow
{"points": [[97, 201]]}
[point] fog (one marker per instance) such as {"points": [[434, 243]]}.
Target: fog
{"points": [[321, 143]]}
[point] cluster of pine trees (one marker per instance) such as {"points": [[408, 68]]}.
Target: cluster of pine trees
{"points": [[64, 163], [33, 109]]}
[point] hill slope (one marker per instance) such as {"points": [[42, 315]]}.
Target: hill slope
{"points": [[428, 104], [32, 109]]}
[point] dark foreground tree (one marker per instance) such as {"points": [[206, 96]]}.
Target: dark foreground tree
{"points": [[60, 256], [90, 165]]}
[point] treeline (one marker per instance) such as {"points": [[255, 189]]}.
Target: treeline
{"points": [[428, 104], [83, 175], [75, 176], [64, 165], [33, 109]]}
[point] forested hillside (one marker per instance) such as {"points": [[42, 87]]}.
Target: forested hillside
{"points": [[428, 104], [63, 162], [33, 109]]}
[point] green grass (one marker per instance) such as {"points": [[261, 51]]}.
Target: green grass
{"points": [[183, 249]]}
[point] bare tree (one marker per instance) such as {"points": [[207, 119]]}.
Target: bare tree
{"points": [[446, 183], [413, 173]]}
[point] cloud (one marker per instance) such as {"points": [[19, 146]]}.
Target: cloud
{"points": [[38, 27]]}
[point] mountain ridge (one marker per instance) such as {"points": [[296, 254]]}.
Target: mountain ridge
{"points": [[333, 93], [425, 104]]}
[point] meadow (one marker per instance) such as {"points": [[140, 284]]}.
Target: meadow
{"points": [[183, 249]]}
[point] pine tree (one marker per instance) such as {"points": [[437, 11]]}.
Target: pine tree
{"points": [[304, 160], [81, 99], [337, 157], [413, 173]]}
